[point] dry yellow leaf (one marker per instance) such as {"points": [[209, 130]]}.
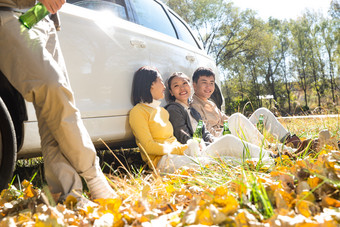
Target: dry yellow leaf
{"points": [[306, 195], [306, 208], [303, 208], [25, 183], [29, 192], [70, 201], [204, 217], [330, 202], [283, 199], [313, 181]]}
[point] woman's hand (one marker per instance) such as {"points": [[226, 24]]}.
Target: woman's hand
{"points": [[193, 148], [53, 5]]}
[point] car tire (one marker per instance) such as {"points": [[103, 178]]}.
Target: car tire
{"points": [[8, 147]]}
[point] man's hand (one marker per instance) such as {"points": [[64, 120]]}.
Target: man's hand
{"points": [[53, 5]]}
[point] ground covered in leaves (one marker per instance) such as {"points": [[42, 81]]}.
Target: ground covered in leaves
{"points": [[303, 191]]}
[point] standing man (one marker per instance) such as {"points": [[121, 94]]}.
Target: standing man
{"points": [[204, 85], [32, 61]]}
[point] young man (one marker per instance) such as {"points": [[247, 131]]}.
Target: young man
{"points": [[204, 85], [32, 61]]}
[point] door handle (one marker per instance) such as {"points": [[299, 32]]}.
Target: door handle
{"points": [[190, 57], [137, 43]]}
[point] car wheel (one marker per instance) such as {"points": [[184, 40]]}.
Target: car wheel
{"points": [[8, 147]]}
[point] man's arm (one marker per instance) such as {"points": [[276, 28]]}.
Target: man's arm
{"points": [[53, 5]]}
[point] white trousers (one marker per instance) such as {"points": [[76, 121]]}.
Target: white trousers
{"points": [[33, 63], [245, 142], [245, 128], [227, 147]]}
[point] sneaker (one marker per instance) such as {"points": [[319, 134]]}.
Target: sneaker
{"points": [[293, 141], [100, 188]]}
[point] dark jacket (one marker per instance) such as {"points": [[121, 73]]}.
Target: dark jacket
{"points": [[180, 121]]}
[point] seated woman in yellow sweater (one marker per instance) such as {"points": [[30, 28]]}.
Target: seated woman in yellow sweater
{"points": [[154, 133]]}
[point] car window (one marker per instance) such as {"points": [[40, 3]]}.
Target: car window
{"points": [[115, 7], [151, 14], [182, 30]]}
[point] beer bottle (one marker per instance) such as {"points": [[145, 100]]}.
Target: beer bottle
{"points": [[198, 132], [226, 129], [260, 124], [34, 15]]}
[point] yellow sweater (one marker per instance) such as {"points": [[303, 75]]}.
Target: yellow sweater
{"points": [[153, 131]]}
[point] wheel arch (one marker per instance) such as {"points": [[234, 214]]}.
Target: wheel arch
{"points": [[15, 104]]}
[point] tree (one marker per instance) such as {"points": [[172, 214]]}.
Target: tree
{"points": [[329, 35], [334, 10], [222, 28], [300, 30]]}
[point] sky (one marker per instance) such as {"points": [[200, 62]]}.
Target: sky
{"points": [[283, 9]]}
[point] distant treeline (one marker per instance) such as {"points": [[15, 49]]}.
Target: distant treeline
{"points": [[296, 61]]}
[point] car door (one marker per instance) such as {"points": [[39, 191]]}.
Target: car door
{"points": [[167, 53], [102, 52]]}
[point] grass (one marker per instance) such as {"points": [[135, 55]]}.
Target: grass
{"points": [[224, 193]]}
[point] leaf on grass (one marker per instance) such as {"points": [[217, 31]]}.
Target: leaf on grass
{"points": [[109, 205], [217, 216], [29, 192], [306, 195], [70, 201], [302, 186], [25, 183], [225, 200], [330, 202], [306, 208], [204, 217], [283, 199], [313, 181], [244, 218]]}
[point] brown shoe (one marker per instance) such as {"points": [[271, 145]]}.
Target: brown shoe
{"points": [[311, 143], [293, 141]]}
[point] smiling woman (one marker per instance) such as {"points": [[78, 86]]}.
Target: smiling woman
{"points": [[183, 119]]}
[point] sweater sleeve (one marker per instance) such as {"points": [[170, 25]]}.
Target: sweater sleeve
{"points": [[179, 122], [138, 120]]}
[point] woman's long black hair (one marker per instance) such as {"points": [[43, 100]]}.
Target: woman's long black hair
{"points": [[141, 85]]}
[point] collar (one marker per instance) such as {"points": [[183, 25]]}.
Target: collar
{"points": [[154, 104], [199, 99], [183, 104]]}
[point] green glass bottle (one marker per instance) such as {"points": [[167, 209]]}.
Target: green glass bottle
{"points": [[34, 15], [260, 124], [198, 132], [226, 129]]}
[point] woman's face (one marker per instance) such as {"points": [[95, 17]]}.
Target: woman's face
{"points": [[180, 88], [157, 88]]}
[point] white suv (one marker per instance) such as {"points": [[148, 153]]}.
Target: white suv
{"points": [[104, 43]]}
